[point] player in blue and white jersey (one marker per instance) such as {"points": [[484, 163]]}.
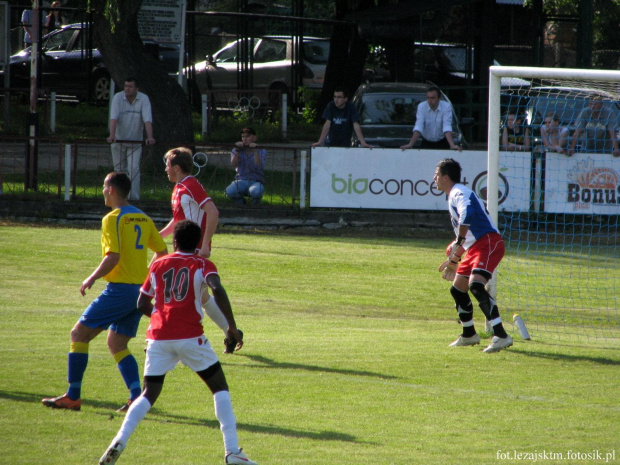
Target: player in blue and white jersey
{"points": [[472, 257]]}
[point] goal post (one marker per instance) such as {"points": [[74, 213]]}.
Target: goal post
{"points": [[560, 272]]}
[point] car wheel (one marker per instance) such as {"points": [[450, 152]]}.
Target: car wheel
{"points": [[101, 87]]}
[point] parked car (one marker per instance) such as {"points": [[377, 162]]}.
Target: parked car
{"points": [[69, 67], [272, 62], [446, 65], [565, 102], [387, 112]]}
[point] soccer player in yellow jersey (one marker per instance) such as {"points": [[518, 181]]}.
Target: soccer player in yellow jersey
{"points": [[126, 234]]}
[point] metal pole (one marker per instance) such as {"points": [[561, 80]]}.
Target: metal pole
{"points": [[284, 116], [205, 114], [53, 112], [67, 172], [302, 180]]}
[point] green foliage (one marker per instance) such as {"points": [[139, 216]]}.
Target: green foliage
{"points": [[605, 22], [345, 356], [309, 99]]}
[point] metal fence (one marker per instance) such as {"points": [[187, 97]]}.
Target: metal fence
{"points": [[48, 167]]}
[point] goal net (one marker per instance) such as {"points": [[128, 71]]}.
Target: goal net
{"points": [[561, 270]]}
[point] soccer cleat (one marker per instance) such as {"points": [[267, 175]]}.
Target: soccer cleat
{"points": [[112, 454], [498, 343], [125, 407], [466, 341], [231, 344], [238, 458], [62, 402]]}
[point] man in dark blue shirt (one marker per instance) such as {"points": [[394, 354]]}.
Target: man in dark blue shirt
{"points": [[341, 119]]}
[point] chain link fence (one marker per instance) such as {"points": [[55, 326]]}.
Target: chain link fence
{"points": [[50, 168]]}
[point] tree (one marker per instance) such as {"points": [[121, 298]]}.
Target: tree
{"points": [[117, 38]]}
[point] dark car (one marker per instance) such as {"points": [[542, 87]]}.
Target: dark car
{"points": [[447, 65], [564, 102], [387, 112], [70, 67]]}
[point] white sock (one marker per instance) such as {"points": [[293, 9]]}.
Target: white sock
{"points": [[214, 312], [137, 411], [228, 423]]}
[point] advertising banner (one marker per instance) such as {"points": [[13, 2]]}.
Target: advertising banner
{"points": [[586, 183], [403, 180]]}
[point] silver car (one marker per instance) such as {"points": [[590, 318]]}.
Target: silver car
{"points": [[387, 112], [271, 63]]}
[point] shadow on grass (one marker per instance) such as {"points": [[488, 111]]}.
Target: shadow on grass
{"points": [[160, 416], [567, 357], [264, 361]]}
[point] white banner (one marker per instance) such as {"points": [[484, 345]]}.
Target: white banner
{"points": [[586, 183], [403, 180], [161, 20]]}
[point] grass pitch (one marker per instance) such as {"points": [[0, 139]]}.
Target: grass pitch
{"points": [[346, 361]]}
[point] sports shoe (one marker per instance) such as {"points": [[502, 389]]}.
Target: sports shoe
{"points": [[62, 402], [466, 341], [231, 344], [498, 343], [125, 407], [238, 458], [112, 454]]}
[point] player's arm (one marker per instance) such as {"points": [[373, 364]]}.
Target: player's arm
{"points": [[213, 218], [107, 264], [615, 151], [324, 132], [145, 304], [168, 229], [221, 298], [573, 141]]}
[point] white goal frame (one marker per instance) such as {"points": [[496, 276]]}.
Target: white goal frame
{"points": [[496, 73], [494, 119]]}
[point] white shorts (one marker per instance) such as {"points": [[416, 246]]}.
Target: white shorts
{"points": [[162, 356]]}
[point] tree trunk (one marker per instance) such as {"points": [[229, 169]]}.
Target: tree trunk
{"points": [[125, 56], [347, 54]]}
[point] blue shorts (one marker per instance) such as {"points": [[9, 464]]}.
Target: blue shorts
{"points": [[115, 308]]}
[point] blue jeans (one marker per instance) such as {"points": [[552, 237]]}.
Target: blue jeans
{"points": [[243, 187]]}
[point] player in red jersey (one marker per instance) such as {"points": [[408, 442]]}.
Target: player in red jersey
{"points": [[178, 282], [191, 202]]}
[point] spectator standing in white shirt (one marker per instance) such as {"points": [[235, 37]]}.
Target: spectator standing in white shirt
{"points": [[130, 115], [433, 123]]}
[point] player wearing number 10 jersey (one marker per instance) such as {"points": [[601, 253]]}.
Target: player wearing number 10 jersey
{"points": [[127, 234], [177, 284]]}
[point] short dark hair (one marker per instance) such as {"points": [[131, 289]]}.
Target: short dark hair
{"points": [[187, 235], [132, 79], [450, 167], [341, 89], [120, 181], [182, 157], [433, 89]]}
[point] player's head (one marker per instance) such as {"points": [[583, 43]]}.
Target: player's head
{"points": [[341, 97], [186, 237], [432, 96], [131, 87], [513, 118], [451, 168], [119, 182], [248, 136], [183, 159], [551, 119]]}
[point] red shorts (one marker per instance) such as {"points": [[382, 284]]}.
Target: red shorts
{"points": [[485, 254]]}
